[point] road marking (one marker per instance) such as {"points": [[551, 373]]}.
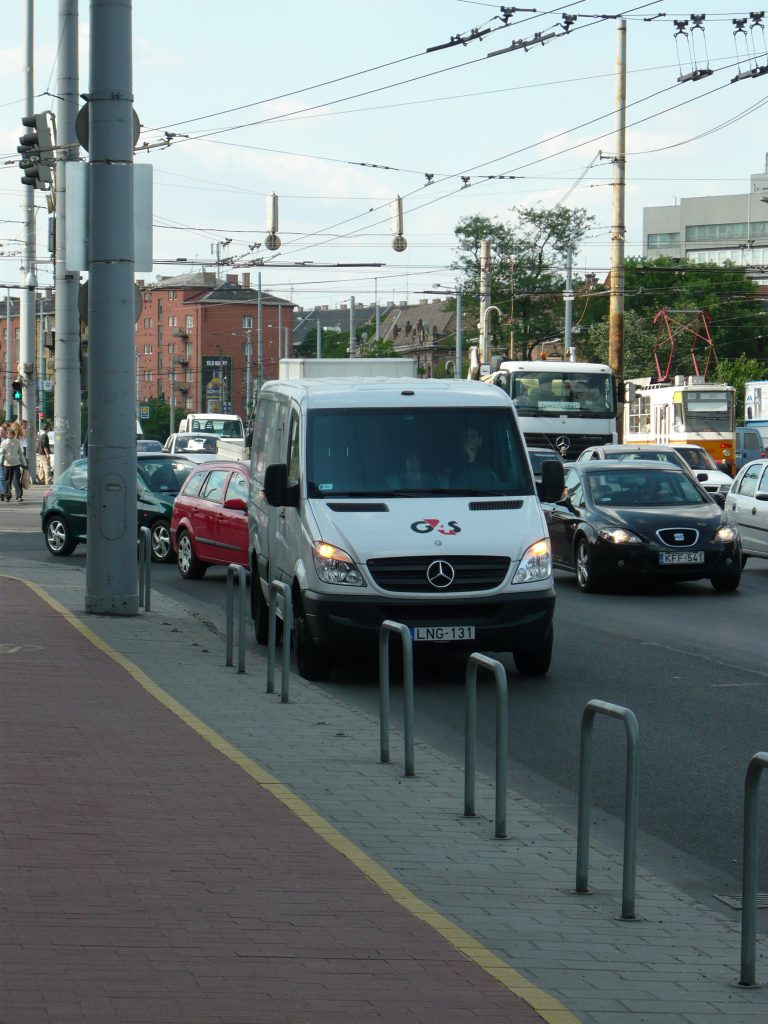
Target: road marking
{"points": [[709, 658], [16, 648], [548, 1008]]}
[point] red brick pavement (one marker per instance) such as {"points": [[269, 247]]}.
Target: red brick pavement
{"points": [[146, 878]]}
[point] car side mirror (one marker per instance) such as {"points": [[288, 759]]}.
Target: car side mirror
{"points": [[701, 477], [725, 467], [552, 480], [236, 504], [720, 499]]}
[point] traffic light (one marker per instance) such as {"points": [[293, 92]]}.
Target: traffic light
{"points": [[36, 151], [18, 389]]}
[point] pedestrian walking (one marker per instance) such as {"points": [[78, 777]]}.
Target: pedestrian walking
{"points": [[13, 461], [44, 467], [4, 427]]}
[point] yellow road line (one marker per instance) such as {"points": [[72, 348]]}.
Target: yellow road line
{"points": [[548, 1008]]}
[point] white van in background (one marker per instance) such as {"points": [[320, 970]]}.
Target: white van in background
{"points": [[410, 500], [228, 427]]}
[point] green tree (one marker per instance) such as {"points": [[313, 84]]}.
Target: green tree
{"points": [[639, 339], [527, 268]]}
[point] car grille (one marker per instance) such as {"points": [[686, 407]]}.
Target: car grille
{"points": [[409, 575], [678, 537]]}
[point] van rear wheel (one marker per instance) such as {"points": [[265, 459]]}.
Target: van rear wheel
{"points": [[313, 662]]}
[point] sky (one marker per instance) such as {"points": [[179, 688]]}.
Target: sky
{"points": [[338, 107]]}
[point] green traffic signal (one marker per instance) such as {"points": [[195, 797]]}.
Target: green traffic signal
{"points": [[18, 386]]}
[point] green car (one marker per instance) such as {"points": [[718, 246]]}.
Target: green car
{"points": [[160, 477]]}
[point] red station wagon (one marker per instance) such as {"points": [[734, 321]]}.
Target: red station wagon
{"points": [[210, 518]]}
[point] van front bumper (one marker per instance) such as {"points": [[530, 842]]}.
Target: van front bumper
{"points": [[505, 622]]}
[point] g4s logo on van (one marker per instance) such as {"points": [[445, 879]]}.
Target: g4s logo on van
{"points": [[449, 529]]}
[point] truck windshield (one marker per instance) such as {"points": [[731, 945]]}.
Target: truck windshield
{"points": [[419, 451], [220, 427], [552, 393]]}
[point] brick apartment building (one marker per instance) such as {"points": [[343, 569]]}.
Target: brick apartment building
{"points": [[193, 336]]}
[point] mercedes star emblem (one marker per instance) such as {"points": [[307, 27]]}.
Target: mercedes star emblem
{"points": [[440, 574]]}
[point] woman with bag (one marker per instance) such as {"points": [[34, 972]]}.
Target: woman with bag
{"points": [[12, 460]]}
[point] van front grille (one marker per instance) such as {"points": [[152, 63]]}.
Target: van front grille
{"points": [[412, 575]]}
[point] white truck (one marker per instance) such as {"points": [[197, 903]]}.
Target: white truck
{"points": [[228, 428], [301, 369]]}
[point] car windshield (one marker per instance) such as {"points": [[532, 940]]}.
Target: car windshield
{"points": [[642, 488], [197, 443], [419, 451], [164, 475], [671, 458], [697, 458]]}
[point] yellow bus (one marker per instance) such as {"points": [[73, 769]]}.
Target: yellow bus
{"points": [[684, 410]]}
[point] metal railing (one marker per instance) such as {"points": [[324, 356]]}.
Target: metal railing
{"points": [[477, 661], [388, 627], [236, 572], [593, 708], [749, 868], [277, 587], [145, 562]]}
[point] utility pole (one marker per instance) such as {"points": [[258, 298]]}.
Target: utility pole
{"points": [[248, 375], [512, 310], [485, 297], [618, 228], [28, 276], [459, 340], [570, 351], [111, 566], [66, 413], [319, 339], [8, 355], [280, 352], [352, 338]]}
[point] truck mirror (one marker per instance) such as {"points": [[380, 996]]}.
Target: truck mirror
{"points": [[552, 480]]}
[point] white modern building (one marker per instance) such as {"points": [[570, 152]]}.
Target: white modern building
{"points": [[712, 229]]}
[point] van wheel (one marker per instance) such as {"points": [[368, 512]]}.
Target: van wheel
{"points": [[313, 662], [537, 661]]}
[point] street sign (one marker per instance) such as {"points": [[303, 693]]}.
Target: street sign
{"points": [[144, 412]]}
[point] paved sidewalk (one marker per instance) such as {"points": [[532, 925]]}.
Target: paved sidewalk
{"points": [[179, 845]]}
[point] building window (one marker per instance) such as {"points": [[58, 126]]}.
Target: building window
{"points": [[147, 350], [745, 255], [640, 415], [159, 307], [664, 240], [248, 322], [188, 324], [148, 322], [172, 296], [173, 321], [159, 335], [147, 375], [725, 232]]}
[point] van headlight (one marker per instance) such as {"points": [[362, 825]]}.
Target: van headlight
{"points": [[536, 563], [333, 565]]}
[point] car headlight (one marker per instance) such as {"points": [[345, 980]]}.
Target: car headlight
{"points": [[333, 565], [536, 563], [726, 534], [618, 535]]}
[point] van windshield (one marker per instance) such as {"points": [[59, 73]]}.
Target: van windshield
{"points": [[413, 452]]}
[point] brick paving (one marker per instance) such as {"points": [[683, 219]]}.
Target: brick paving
{"points": [[147, 878]]}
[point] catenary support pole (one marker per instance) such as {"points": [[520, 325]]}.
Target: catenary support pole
{"points": [[28, 276], [259, 340], [459, 346], [570, 351], [111, 567], [66, 410], [618, 228], [485, 297], [319, 340]]}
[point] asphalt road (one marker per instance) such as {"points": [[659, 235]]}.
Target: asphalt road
{"points": [[690, 663]]}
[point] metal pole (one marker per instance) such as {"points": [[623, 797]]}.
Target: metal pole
{"points": [[28, 276], [352, 339], [280, 353], [570, 351], [485, 296], [287, 347], [387, 627], [618, 227], [172, 399], [378, 311], [67, 398], [749, 869], [8, 356], [319, 340], [259, 342], [111, 569], [248, 371], [457, 368]]}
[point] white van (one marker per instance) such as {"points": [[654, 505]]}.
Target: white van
{"points": [[410, 500]]}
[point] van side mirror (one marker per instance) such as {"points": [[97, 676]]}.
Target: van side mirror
{"points": [[276, 488], [552, 480], [725, 467]]}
